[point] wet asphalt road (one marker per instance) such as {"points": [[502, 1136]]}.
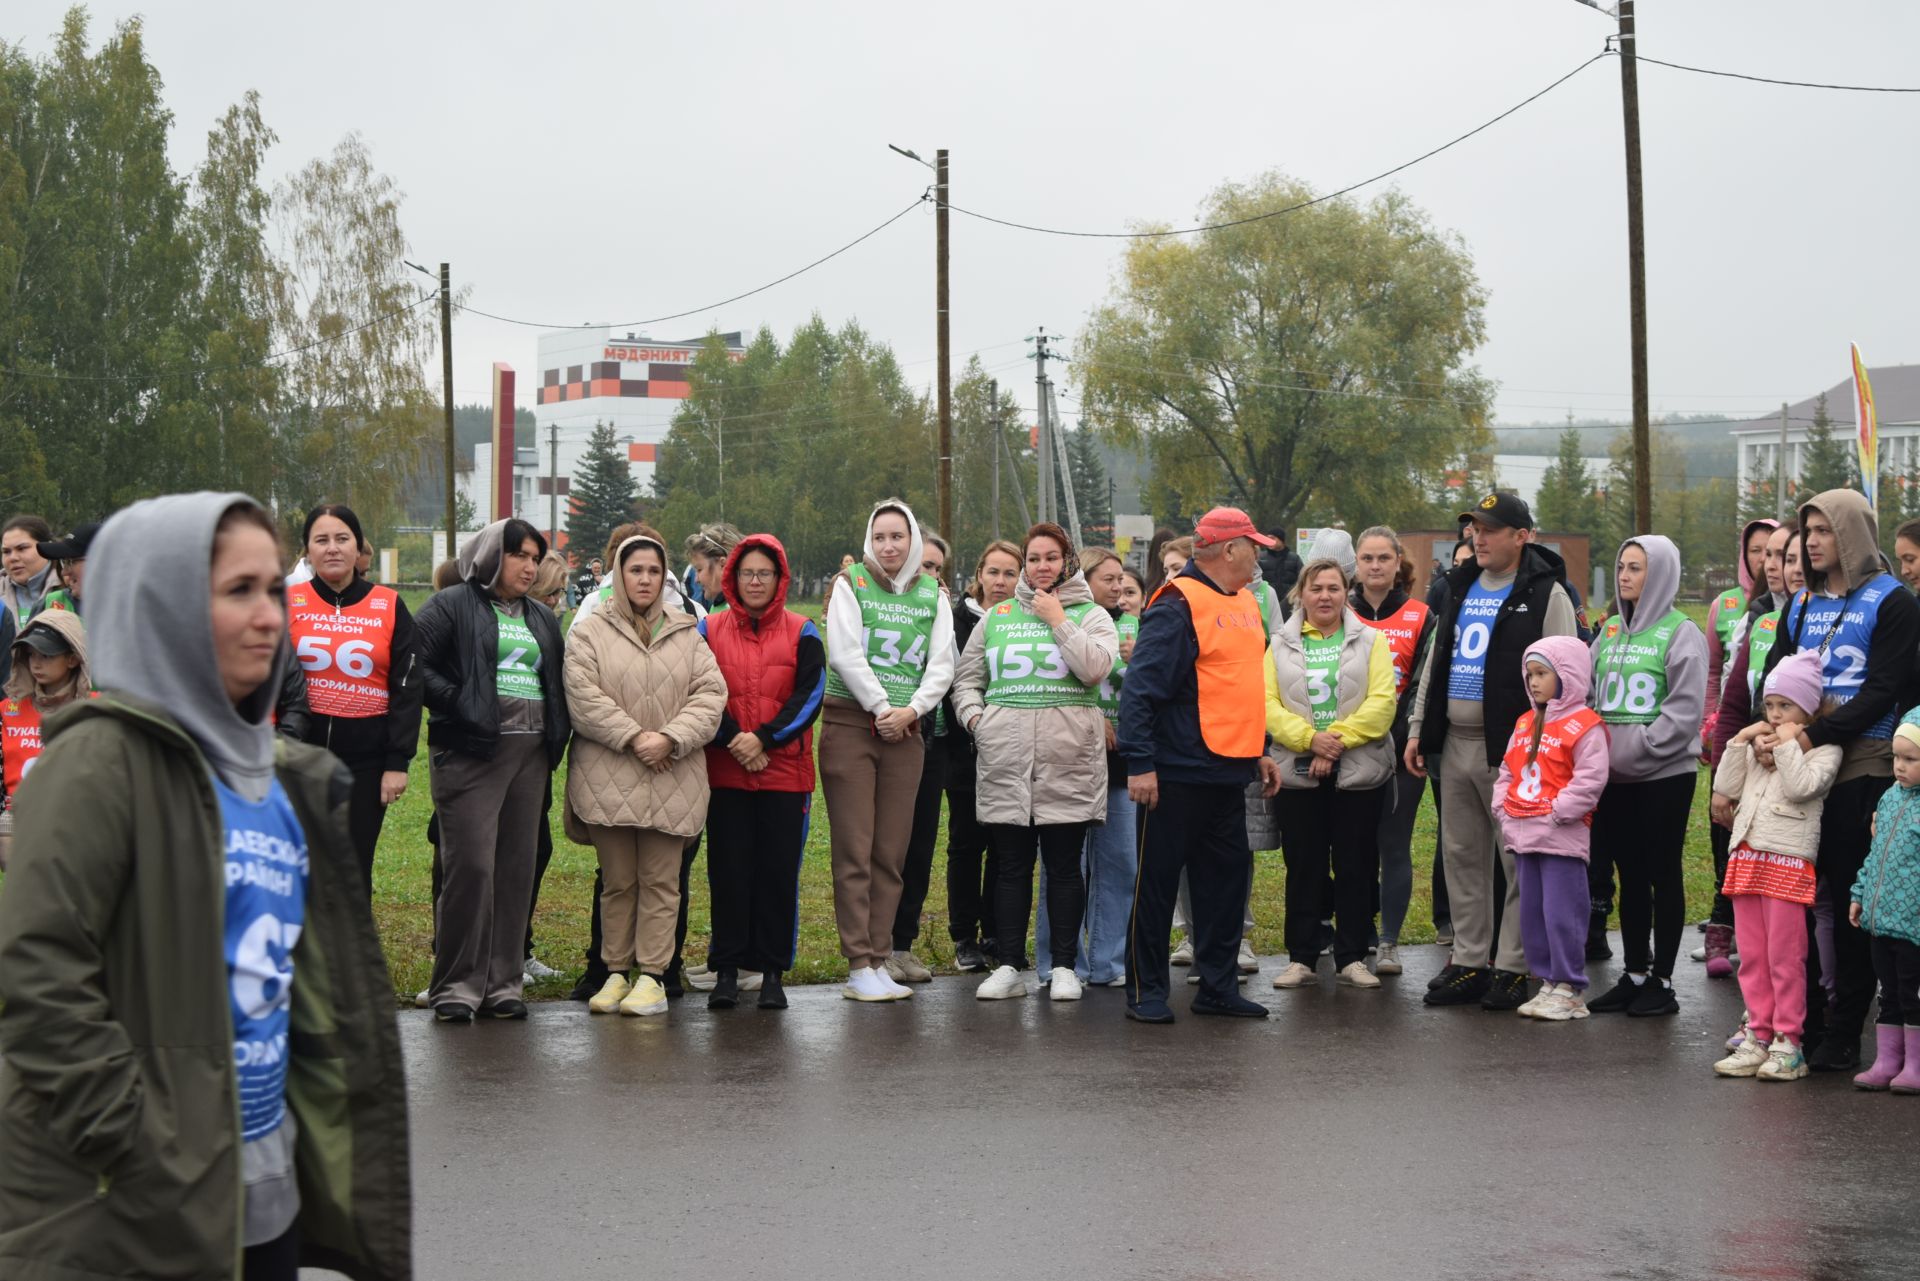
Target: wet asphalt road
{"points": [[1354, 1134]]}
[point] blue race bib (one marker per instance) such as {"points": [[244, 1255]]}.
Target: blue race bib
{"points": [[1472, 635], [1844, 625], [266, 858]]}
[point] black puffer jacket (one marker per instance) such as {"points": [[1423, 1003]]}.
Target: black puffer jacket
{"points": [[457, 639]]}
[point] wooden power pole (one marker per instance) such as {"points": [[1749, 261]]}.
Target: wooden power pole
{"points": [[1636, 278], [446, 377], [946, 355]]}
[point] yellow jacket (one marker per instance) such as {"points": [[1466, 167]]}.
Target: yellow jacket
{"points": [[1364, 724]]}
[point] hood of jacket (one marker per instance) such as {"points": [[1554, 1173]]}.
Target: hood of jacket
{"points": [[1855, 531], [481, 557], [643, 625], [1070, 591], [1747, 583], [1662, 585], [916, 548], [767, 545], [20, 680], [149, 606], [1573, 664]]}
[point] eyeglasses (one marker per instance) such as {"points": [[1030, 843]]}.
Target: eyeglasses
{"points": [[758, 575]]}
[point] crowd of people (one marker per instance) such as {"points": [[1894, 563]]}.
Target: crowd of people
{"points": [[212, 1036]]}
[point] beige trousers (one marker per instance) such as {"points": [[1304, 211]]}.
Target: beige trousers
{"points": [[870, 788], [639, 896]]}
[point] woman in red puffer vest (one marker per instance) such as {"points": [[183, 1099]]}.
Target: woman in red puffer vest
{"points": [[760, 766]]}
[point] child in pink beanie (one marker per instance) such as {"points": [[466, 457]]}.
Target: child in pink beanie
{"points": [[1770, 878]]}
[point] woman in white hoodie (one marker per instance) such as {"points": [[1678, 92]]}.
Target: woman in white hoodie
{"points": [[889, 662]]}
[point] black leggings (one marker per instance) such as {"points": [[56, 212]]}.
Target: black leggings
{"points": [[973, 871], [1328, 828], [917, 874], [1060, 845], [1641, 829], [275, 1260], [1896, 963], [365, 815]]}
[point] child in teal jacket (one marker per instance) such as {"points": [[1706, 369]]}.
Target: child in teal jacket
{"points": [[1886, 904]]}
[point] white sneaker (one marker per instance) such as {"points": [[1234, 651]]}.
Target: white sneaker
{"points": [[1356, 974], [1295, 975], [1699, 953], [1003, 983], [700, 978], [1249, 963], [895, 991], [1388, 961], [1118, 980], [1566, 1004], [863, 984], [420, 1001], [1066, 986], [749, 981], [535, 971], [1745, 1061], [1182, 955]]}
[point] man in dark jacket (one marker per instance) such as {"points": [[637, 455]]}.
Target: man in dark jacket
{"points": [[1192, 729], [1486, 614], [1279, 566]]}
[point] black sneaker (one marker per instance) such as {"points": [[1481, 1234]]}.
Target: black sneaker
{"points": [[1654, 997], [590, 982], [1835, 1054], [968, 958], [1466, 987], [726, 989], [452, 1012], [772, 995], [1618, 997], [1234, 1006], [507, 1009], [1597, 946], [1434, 984], [1505, 991], [671, 983]]}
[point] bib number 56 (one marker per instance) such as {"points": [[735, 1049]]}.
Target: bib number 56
{"points": [[353, 658]]}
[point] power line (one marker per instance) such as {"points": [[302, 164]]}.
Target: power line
{"points": [[186, 371], [1769, 80], [715, 306], [1295, 208]]}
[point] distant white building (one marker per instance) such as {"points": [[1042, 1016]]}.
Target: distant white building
{"points": [[1896, 398]]}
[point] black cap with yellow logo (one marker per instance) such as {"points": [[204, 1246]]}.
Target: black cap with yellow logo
{"points": [[1502, 511]]}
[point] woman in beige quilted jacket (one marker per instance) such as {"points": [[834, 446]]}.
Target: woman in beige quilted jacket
{"points": [[1028, 689], [646, 697]]}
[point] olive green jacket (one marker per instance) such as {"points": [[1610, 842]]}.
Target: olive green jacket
{"points": [[119, 1110]]}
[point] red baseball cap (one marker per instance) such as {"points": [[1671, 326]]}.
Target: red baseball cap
{"points": [[1223, 524]]}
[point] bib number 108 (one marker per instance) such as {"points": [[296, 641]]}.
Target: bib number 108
{"points": [[1634, 694]]}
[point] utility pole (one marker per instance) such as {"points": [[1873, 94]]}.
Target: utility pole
{"points": [[993, 425], [1636, 277], [1780, 469], [446, 377], [553, 487], [946, 356], [1043, 444]]}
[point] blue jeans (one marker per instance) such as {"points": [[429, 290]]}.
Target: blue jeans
{"points": [[1109, 864]]}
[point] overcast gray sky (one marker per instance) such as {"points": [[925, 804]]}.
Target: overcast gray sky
{"points": [[603, 162]]}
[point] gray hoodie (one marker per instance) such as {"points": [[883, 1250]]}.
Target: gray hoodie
{"points": [[1670, 744], [149, 613]]}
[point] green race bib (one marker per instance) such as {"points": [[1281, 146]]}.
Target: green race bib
{"points": [[1727, 608], [1109, 692], [899, 632], [1760, 643], [1323, 677], [1269, 605], [518, 672], [1025, 668], [1632, 671]]}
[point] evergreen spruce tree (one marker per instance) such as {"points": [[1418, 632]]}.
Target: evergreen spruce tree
{"points": [[602, 492], [1828, 461], [1089, 475]]}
